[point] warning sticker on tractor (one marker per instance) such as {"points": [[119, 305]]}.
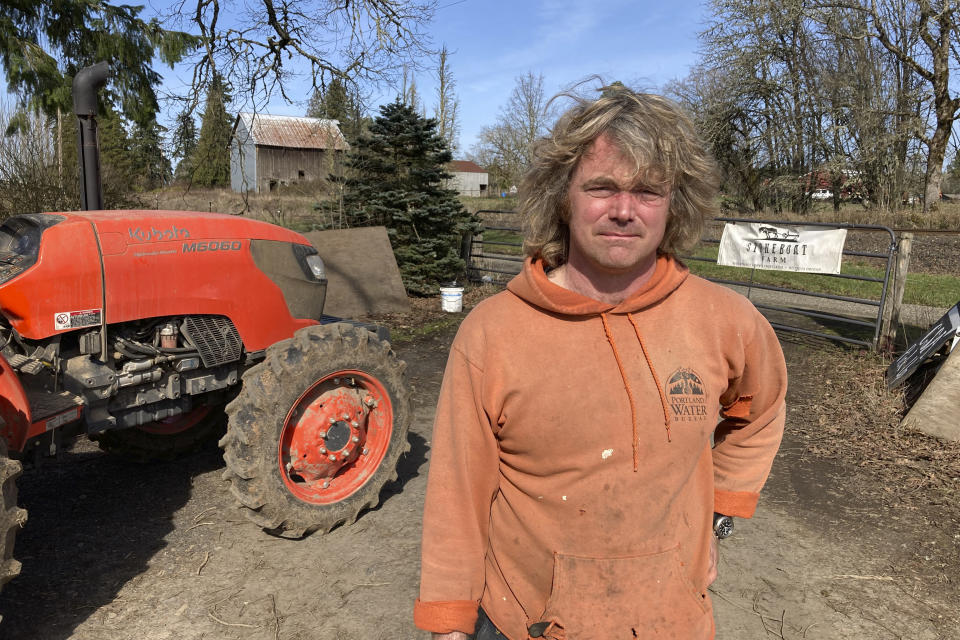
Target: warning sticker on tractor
{"points": [[77, 319]]}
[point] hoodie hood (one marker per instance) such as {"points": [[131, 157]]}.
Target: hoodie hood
{"points": [[533, 286]]}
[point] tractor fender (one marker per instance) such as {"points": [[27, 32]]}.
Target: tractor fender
{"points": [[14, 408]]}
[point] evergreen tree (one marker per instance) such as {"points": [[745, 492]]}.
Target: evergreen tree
{"points": [[399, 183], [45, 44], [151, 167], [117, 168], [184, 143], [340, 104], [116, 164], [211, 159]]}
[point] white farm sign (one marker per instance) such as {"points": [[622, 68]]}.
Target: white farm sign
{"points": [[762, 245]]}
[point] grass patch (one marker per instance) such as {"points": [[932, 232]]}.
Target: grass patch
{"points": [[474, 204], [506, 242], [409, 333], [931, 290], [923, 289]]}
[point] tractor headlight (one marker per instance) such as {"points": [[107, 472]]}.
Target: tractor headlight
{"points": [[315, 263]]}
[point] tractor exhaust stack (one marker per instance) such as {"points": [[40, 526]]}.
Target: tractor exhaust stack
{"points": [[86, 84]]}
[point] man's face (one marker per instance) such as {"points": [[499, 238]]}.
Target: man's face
{"points": [[616, 219]]}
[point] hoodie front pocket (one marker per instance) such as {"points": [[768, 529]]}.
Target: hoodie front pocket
{"points": [[643, 596]]}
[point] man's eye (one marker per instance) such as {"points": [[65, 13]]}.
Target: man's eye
{"points": [[648, 194], [601, 192]]}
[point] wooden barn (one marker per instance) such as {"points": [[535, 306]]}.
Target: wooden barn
{"points": [[468, 179], [269, 151]]}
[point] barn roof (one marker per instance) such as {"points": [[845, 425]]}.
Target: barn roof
{"points": [[464, 166], [292, 132]]}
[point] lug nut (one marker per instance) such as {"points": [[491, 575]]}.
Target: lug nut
{"points": [[326, 484], [365, 450], [355, 424], [323, 449], [355, 439], [346, 416], [333, 420], [332, 458], [323, 434]]}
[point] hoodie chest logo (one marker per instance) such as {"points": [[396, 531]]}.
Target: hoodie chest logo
{"points": [[686, 396]]}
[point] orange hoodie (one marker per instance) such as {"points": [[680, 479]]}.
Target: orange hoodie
{"points": [[572, 477]]}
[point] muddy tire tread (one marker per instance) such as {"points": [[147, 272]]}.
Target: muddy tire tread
{"points": [[12, 517], [256, 415]]}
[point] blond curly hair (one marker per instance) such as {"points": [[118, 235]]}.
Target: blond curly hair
{"points": [[651, 130]]}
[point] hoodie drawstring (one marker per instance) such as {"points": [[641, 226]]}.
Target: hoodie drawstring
{"points": [[626, 384], [653, 372]]}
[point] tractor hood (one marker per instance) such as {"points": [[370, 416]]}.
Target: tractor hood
{"points": [[81, 269], [120, 229]]}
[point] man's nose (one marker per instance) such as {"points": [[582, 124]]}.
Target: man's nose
{"points": [[622, 207]]}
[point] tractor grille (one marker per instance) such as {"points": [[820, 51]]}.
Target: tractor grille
{"points": [[215, 337]]}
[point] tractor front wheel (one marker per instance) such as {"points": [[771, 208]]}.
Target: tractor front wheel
{"points": [[12, 517], [317, 430]]}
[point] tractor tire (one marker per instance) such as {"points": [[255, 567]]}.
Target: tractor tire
{"points": [[12, 517], [317, 430], [165, 439]]}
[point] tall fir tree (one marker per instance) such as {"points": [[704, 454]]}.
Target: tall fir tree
{"points": [[184, 144], [398, 169], [339, 103], [117, 167], [151, 167], [211, 159], [45, 44]]}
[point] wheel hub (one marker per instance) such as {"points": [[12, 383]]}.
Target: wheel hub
{"points": [[338, 436], [328, 435], [335, 436]]}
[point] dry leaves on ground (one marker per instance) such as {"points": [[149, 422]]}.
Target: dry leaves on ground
{"points": [[857, 420]]}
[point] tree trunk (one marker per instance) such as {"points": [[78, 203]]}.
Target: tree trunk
{"points": [[938, 150]]}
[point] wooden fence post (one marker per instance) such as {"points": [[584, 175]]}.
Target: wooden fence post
{"points": [[890, 316]]}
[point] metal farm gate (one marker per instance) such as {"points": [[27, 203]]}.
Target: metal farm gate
{"points": [[495, 256]]}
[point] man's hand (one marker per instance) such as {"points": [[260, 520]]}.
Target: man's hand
{"points": [[711, 570], [453, 635]]}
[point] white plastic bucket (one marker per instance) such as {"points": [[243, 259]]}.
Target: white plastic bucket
{"points": [[451, 299]]}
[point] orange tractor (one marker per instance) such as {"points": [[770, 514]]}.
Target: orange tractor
{"points": [[148, 330]]}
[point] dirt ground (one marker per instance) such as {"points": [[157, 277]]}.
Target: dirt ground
{"points": [[857, 534]]}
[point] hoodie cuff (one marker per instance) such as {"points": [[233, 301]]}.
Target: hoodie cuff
{"points": [[740, 504], [446, 616]]}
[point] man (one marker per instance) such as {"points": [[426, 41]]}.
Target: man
{"points": [[573, 481]]}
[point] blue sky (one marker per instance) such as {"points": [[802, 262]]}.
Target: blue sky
{"points": [[642, 44], [492, 42]]}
